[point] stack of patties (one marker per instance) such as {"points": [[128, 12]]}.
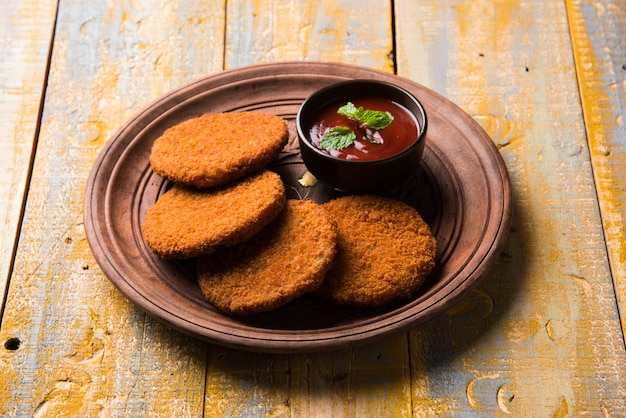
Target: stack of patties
{"points": [[222, 193], [256, 250]]}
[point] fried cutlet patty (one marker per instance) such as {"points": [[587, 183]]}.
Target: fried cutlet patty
{"points": [[217, 148], [286, 259], [384, 251], [188, 222]]}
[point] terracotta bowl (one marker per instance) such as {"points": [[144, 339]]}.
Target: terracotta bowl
{"points": [[356, 176]]}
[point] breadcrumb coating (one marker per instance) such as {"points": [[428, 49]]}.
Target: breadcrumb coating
{"points": [[285, 260], [384, 251], [218, 148], [187, 222]]}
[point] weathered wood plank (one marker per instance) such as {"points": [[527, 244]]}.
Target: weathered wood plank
{"points": [[598, 30], [540, 336], [84, 350], [357, 32], [26, 30], [368, 381], [372, 380]]}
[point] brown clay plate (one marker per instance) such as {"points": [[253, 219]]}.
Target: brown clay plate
{"points": [[461, 189]]}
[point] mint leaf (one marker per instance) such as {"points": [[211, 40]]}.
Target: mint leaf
{"points": [[349, 110], [337, 138], [376, 119], [342, 136]]}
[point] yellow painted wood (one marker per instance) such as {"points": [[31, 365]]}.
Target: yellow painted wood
{"points": [[26, 30], [84, 350], [356, 32], [598, 30], [372, 380], [540, 336]]}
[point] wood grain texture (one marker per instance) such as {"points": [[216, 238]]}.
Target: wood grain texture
{"points": [[598, 30], [369, 381], [354, 32], [540, 336], [84, 349], [26, 30]]}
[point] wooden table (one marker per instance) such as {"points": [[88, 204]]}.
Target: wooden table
{"points": [[542, 334]]}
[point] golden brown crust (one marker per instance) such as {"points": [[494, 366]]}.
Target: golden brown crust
{"points": [[384, 251], [186, 223], [285, 260], [218, 148]]}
